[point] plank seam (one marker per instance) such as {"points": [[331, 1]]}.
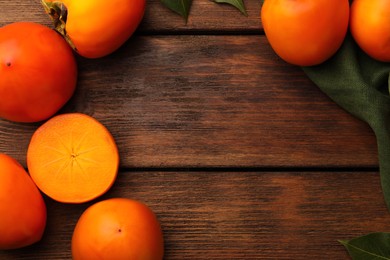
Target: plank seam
{"points": [[250, 169]]}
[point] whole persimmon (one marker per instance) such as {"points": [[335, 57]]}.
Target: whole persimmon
{"points": [[96, 28], [22, 208], [305, 32], [38, 72], [370, 27], [116, 229]]}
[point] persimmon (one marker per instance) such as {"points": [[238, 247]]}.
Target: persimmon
{"points": [[96, 28], [118, 228], [38, 72], [305, 32], [370, 27], [73, 158], [22, 208]]}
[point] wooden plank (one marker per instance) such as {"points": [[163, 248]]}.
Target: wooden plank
{"points": [[210, 101], [220, 101], [238, 215], [18, 11], [205, 16]]}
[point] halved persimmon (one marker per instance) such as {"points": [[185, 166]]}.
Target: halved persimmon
{"points": [[73, 158]]}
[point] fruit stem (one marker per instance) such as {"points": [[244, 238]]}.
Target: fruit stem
{"points": [[58, 13]]}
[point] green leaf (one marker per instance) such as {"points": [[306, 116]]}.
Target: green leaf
{"points": [[239, 4], [369, 247], [181, 7]]}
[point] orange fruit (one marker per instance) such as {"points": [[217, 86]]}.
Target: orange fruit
{"points": [[305, 32], [73, 158], [370, 27], [96, 28], [116, 229], [38, 72], [22, 208]]}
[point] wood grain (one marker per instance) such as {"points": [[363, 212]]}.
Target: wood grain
{"points": [[237, 152], [238, 215], [205, 16], [18, 11], [210, 101]]}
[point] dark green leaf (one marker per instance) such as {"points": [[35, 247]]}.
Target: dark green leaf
{"points": [[239, 4], [182, 7], [369, 247]]}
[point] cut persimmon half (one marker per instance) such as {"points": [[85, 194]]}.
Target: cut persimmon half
{"points": [[73, 158]]}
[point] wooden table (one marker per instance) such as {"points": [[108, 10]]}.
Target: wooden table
{"points": [[239, 154]]}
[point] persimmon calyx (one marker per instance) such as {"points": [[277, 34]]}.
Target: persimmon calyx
{"points": [[58, 13]]}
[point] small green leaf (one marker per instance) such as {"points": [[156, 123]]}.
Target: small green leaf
{"points": [[239, 4], [181, 7], [369, 247]]}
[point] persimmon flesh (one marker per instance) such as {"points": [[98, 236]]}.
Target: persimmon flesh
{"points": [[73, 158], [305, 32]]}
